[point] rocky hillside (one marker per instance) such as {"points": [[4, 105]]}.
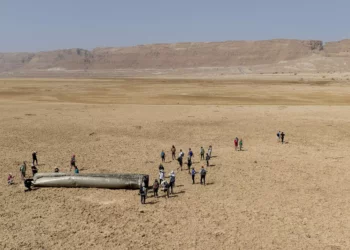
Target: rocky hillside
{"points": [[239, 56]]}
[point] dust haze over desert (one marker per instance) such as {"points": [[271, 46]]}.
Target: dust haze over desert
{"points": [[117, 108]]}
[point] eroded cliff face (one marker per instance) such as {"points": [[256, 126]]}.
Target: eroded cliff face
{"points": [[166, 56]]}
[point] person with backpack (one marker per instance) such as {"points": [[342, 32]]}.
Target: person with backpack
{"points": [[23, 169], [282, 137], [143, 193], [203, 173], [180, 158], [193, 175], [155, 188], [207, 158], [173, 152], [35, 158], [161, 167], [202, 152], [172, 182], [28, 184], [162, 155], [240, 144]]}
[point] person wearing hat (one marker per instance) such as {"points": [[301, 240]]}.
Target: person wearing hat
{"points": [[35, 158], [172, 181]]}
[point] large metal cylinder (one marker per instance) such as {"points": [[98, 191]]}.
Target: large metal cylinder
{"points": [[113, 181]]}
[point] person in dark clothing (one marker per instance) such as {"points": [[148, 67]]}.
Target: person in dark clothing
{"points": [[162, 155], [155, 188], [165, 188], [72, 162], [161, 167], [57, 170], [143, 194], [189, 164], [34, 170], [35, 158], [28, 184], [203, 174], [193, 174], [180, 158], [282, 137], [207, 158], [173, 152]]}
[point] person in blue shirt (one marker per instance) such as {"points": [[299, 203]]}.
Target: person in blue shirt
{"points": [[162, 155], [193, 174]]}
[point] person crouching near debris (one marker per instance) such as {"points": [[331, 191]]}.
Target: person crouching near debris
{"points": [[155, 188], [203, 174], [143, 192], [76, 170], [10, 179], [28, 184]]}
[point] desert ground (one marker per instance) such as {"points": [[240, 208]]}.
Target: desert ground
{"points": [[268, 196]]}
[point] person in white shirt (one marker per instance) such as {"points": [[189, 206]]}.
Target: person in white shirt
{"points": [[161, 176], [180, 158]]}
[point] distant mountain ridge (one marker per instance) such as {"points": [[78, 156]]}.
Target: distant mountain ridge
{"points": [[178, 55]]}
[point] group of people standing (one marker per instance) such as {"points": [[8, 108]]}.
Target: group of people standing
{"points": [[34, 169], [238, 144]]}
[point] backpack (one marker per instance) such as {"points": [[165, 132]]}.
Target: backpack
{"points": [[172, 178], [203, 172], [162, 154]]}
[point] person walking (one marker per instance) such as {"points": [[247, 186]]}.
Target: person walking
{"points": [[162, 155], [193, 175], [207, 158], [173, 152], [203, 173], [180, 158], [35, 158], [161, 167], [172, 182], [282, 137], [23, 169], [240, 144], [155, 188], [202, 152]]}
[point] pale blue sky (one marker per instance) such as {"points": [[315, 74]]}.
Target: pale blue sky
{"points": [[37, 25]]}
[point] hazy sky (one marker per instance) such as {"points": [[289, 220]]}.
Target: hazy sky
{"points": [[36, 25]]}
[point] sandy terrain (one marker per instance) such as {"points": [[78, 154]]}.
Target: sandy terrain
{"points": [[269, 196]]}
